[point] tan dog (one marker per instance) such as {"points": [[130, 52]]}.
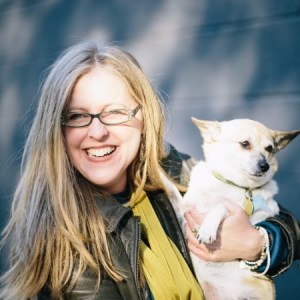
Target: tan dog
{"points": [[239, 165]]}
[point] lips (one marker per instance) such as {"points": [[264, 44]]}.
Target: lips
{"points": [[101, 152]]}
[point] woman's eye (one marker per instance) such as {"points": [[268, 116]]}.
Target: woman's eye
{"points": [[115, 112], [245, 145], [76, 116]]}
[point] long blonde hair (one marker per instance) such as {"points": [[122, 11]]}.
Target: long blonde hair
{"points": [[54, 221]]}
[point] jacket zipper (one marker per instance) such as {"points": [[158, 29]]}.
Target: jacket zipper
{"points": [[137, 274]]}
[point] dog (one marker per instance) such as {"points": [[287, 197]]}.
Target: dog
{"points": [[239, 165]]}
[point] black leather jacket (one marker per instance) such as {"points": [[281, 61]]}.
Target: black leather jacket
{"points": [[125, 232]]}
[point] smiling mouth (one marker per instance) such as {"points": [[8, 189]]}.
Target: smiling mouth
{"points": [[100, 152]]}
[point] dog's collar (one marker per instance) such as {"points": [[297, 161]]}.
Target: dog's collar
{"points": [[220, 177], [248, 203]]}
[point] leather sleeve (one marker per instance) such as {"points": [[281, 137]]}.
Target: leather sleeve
{"points": [[290, 229]]}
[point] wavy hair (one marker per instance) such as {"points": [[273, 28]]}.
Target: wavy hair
{"points": [[54, 221]]}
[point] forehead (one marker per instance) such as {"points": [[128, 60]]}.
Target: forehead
{"points": [[99, 86], [238, 130]]}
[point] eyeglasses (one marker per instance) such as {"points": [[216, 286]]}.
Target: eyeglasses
{"points": [[109, 116]]}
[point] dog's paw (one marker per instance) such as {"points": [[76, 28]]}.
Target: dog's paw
{"points": [[207, 234]]}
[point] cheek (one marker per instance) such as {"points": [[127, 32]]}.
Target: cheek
{"points": [[72, 140], [129, 140], [130, 137]]}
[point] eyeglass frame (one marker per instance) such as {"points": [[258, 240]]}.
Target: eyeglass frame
{"points": [[131, 114]]}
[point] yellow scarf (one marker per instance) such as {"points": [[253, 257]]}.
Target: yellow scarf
{"points": [[166, 271]]}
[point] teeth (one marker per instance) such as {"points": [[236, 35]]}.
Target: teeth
{"points": [[100, 152]]}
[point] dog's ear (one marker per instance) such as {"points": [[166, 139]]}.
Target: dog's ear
{"points": [[283, 138], [209, 129]]}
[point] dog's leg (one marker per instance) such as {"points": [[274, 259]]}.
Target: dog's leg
{"points": [[207, 232], [174, 196]]}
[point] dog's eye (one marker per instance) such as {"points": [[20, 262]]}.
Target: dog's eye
{"points": [[245, 145], [269, 149]]}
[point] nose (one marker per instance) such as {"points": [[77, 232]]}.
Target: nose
{"points": [[97, 130], [263, 165]]}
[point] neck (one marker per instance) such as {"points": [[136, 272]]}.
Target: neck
{"points": [[223, 179]]}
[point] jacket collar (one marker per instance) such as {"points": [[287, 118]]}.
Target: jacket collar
{"points": [[111, 210]]}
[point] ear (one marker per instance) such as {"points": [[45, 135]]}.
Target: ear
{"points": [[209, 129], [283, 138]]}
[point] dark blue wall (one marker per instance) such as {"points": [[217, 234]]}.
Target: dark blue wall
{"points": [[210, 59]]}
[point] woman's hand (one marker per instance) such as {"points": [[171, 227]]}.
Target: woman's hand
{"points": [[236, 238]]}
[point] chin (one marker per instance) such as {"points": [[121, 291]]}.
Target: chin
{"points": [[111, 184]]}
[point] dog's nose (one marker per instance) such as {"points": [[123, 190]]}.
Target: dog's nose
{"points": [[263, 165]]}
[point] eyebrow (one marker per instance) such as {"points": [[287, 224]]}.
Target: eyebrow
{"points": [[71, 108]]}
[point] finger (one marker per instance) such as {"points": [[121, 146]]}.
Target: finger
{"points": [[207, 252], [190, 235], [195, 249], [203, 252], [190, 220], [194, 217]]}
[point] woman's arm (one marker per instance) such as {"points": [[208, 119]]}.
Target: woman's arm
{"points": [[238, 239], [284, 229]]}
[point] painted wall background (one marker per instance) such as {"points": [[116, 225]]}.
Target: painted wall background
{"points": [[209, 59]]}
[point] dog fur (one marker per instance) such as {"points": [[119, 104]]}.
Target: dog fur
{"points": [[240, 151]]}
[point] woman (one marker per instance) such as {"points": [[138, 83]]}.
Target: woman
{"points": [[90, 216]]}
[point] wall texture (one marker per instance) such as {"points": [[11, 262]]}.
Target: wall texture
{"points": [[210, 59]]}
